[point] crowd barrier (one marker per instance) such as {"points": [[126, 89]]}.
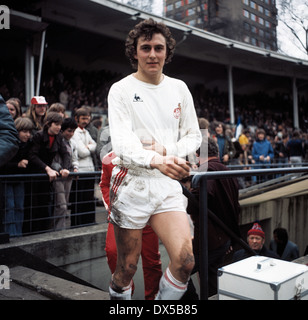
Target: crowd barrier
{"points": [[35, 205]]}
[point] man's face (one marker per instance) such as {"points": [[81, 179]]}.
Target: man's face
{"points": [[255, 242], [68, 133], [12, 110], [40, 109], [151, 54], [54, 128], [83, 121], [219, 129], [24, 135]]}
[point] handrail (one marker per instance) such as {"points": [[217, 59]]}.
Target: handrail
{"points": [[44, 175], [200, 179]]}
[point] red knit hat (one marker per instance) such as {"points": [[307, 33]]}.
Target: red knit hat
{"points": [[256, 230]]}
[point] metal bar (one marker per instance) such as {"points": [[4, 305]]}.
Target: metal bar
{"points": [[237, 173], [203, 256]]}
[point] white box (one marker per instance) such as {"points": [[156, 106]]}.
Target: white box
{"points": [[262, 278]]}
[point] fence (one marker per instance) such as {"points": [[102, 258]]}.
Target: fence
{"points": [[30, 204]]}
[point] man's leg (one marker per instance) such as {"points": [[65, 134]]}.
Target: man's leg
{"points": [[129, 247], [174, 231]]}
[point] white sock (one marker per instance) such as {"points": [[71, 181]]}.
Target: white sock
{"points": [[125, 294], [170, 288]]}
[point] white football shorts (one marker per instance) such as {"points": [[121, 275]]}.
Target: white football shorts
{"points": [[137, 194]]}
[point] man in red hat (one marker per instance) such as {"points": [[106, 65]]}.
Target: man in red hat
{"points": [[255, 239]]}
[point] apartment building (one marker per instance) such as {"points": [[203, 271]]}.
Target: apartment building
{"points": [[250, 21]]}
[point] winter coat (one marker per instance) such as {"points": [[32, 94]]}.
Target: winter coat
{"points": [[42, 155], [262, 147], [22, 154], [8, 135], [223, 202], [290, 251], [85, 148]]}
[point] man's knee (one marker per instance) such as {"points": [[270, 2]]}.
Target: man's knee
{"points": [[186, 263]]}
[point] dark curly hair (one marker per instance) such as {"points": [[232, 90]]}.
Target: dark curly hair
{"points": [[147, 28]]}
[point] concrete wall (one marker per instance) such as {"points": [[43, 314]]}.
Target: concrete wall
{"points": [[290, 213]]}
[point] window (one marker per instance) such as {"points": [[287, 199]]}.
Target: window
{"points": [[178, 4], [246, 13], [261, 20], [260, 9], [268, 24], [246, 26], [192, 22], [254, 29], [253, 17], [169, 7], [191, 11], [253, 5]]}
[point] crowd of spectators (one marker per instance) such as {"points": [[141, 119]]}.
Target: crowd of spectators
{"points": [[258, 113]]}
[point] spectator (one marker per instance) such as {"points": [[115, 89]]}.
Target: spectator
{"points": [[226, 147], [286, 249], [256, 240], [223, 202], [46, 144], [8, 145], [104, 142], [14, 188], [262, 152], [8, 135], [62, 186], [280, 149], [295, 148], [37, 112], [14, 107], [244, 138], [83, 209], [57, 107]]}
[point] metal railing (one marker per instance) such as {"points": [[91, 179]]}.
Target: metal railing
{"points": [[200, 180], [35, 205]]}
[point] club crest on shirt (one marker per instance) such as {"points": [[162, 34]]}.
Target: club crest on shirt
{"points": [[177, 112]]}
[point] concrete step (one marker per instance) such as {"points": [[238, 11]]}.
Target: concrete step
{"points": [[49, 286]]}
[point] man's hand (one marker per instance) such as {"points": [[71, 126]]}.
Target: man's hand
{"points": [[171, 166], [51, 173], [64, 173], [152, 145]]}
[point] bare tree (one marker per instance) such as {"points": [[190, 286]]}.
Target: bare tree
{"points": [[294, 15], [145, 5]]}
